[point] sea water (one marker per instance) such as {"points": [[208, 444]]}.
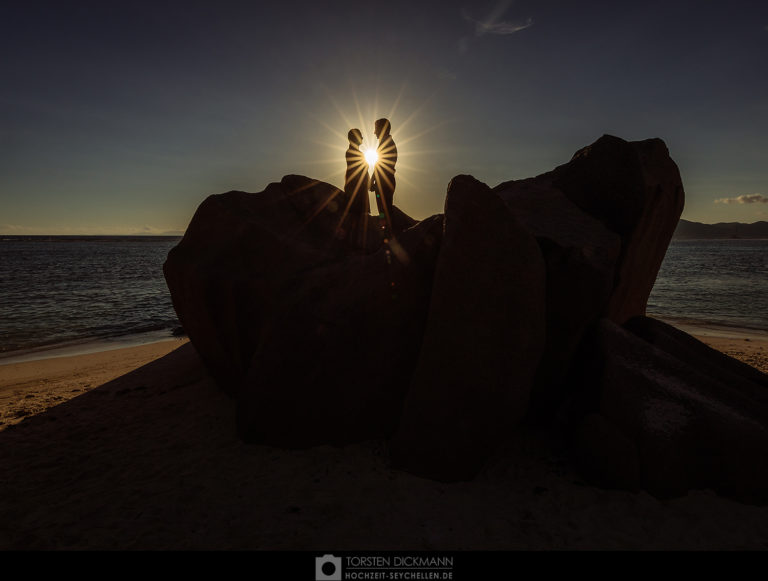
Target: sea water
{"points": [[64, 290], [70, 290], [713, 282]]}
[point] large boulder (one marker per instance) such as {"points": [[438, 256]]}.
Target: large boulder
{"points": [[603, 222], [580, 254], [666, 425], [483, 340], [702, 357], [287, 311], [635, 189], [335, 357]]}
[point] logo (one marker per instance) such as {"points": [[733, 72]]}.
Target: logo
{"points": [[328, 568]]}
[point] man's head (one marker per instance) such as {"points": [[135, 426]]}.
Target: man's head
{"points": [[355, 136], [382, 128]]}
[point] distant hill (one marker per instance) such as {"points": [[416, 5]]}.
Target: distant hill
{"points": [[691, 230]]}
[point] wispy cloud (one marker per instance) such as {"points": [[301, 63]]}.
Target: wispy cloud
{"points": [[505, 27], [483, 27], [744, 199], [493, 24]]}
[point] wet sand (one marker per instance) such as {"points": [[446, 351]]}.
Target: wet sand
{"points": [[135, 449]]}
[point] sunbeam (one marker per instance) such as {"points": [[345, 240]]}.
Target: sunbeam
{"points": [[358, 107]]}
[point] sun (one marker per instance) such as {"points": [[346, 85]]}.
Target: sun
{"points": [[371, 156]]}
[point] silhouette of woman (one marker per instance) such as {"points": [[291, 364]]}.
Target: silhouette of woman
{"points": [[356, 187]]}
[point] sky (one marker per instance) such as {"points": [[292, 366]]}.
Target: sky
{"points": [[120, 118]]}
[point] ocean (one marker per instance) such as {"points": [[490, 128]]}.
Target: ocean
{"points": [[713, 282], [75, 291], [69, 291]]}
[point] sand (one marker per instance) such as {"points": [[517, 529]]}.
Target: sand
{"points": [[135, 449]]}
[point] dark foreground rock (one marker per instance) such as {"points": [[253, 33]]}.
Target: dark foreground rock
{"points": [[635, 189], [525, 302], [336, 356], [711, 362], [580, 255], [483, 341], [664, 423], [315, 337], [603, 221]]}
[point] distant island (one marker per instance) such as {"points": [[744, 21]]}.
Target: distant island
{"points": [[696, 230]]}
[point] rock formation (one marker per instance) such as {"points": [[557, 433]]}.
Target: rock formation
{"points": [[669, 417], [580, 255], [634, 188], [483, 341], [522, 301], [314, 337]]}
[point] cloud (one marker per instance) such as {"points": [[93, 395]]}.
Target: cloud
{"points": [[14, 229], [744, 199], [482, 28], [492, 24]]}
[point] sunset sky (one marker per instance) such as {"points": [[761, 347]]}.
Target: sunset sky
{"points": [[121, 118]]}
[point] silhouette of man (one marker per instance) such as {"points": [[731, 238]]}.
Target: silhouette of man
{"points": [[356, 187], [383, 182]]}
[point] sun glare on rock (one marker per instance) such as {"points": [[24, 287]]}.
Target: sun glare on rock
{"points": [[371, 156]]}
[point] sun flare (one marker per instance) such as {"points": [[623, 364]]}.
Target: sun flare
{"points": [[371, 156]]}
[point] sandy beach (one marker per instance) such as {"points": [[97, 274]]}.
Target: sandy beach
{"points": [[135, 449]]}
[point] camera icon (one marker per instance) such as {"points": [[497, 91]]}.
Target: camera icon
{"points": [[327, 568]]}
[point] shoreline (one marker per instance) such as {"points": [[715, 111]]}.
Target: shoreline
{"points": [[85, 346], [702, 330], [709, 329], [33, 382]]}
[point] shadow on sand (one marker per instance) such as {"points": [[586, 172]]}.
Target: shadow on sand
{"points": [[151, 461], [124, 465]]}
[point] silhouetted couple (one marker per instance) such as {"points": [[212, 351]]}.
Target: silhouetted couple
{"points": [[357, 183]]}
